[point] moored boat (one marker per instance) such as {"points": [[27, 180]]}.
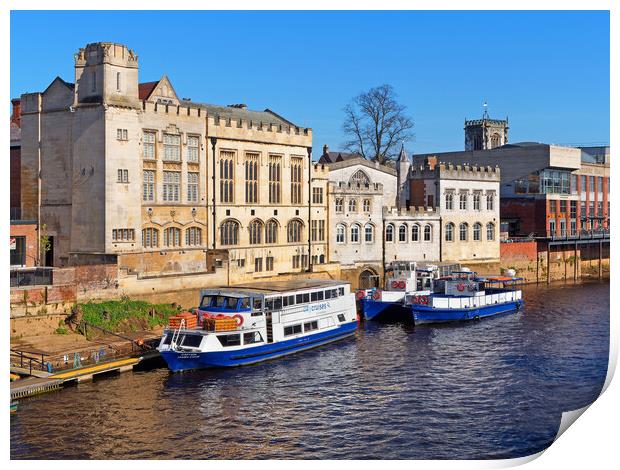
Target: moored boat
{"points": [[465, 296], [251, 323]]}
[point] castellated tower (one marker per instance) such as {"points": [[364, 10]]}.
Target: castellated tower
{"points": [[106, 73], [485, 133], [402, 168]]}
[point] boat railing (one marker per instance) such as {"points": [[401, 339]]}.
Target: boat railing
{"points": [[176, 334]]}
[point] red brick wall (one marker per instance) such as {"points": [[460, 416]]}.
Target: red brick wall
{"points": [[30, 232], [531, 212], [518, 251], [16, 182]]}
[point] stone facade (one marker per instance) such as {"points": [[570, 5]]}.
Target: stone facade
{"points": [[485, 133], [128, 168]]}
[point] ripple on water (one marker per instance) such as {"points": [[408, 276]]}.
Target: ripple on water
{"points": [[490, 389]]}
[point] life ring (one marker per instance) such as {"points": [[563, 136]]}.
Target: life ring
{"points": [[394, 284], [360, 294], [401, 284], [415, 299], [376, 295], [460, 287], [424, 300], [239, 319]]}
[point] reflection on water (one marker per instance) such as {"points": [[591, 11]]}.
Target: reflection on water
{"points": [[489, 389]]}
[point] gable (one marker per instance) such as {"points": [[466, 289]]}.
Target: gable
{"points": [[58, 95], [159, 92]]}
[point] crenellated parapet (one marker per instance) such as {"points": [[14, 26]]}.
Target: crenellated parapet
{"points": [[412, 211], [455, 172], [106, 53], [179, 110], [344, 187]]}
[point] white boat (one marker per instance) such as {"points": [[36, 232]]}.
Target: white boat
{"points": [[272, 319]]}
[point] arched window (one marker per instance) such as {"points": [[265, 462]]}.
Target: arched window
{"points": [[359, 177], [256, 232], [449, 201], [490, 200], [490, 231], [226, 176], [229, 232], [271, 231], [355, 233], [293, 231], [477, 231], [366, 205], [415, 233], [463, 229], [402, 233], [340, 233], [476, 201], [339, 204], [450, 232], [463, 201], [495, 140], [353, 205], [193, 236], [322, 259], [369, 233], [428, 231], [150, 238], [389, 233], [172, 236]]}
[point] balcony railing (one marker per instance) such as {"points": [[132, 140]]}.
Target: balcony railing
{"points": [[580, 235]]}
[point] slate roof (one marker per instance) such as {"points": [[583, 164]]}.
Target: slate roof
{"points": [[224, 112], [333, 157], [145, 89]]}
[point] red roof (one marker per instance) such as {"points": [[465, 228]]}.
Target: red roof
{"points": [[145, 89]]}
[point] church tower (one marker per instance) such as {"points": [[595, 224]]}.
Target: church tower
{"points": [[106, 73], [485, 133], [402, 169]]}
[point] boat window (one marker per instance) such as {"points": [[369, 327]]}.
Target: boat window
{"points": [[230, 340], [268, 304], [252, 337], [288, 301], [168, 338], [277, 303], [341, 317], [303, 298], [206, 300], [225, 302], [314, 296], [311, 326], [245, 302], [192, 341], [292, 330], [320, 295], [341, 290], [257, 303], [328, 294]]}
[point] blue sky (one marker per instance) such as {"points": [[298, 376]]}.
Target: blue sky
{"points": [[547, 71]]}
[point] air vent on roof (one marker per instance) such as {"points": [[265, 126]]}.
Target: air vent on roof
{"points": [[238, 106]]}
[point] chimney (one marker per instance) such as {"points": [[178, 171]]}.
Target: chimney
{"points": [[325, 149], [16, 116], [431, 162]]}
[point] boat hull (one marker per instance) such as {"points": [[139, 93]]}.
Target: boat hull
{"points": [[381, 310], [181, 360], [424, 314]]}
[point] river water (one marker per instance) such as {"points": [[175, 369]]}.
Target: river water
{"points": [[490, 389]]}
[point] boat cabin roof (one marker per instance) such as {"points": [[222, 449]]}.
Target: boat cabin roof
{"points": [[256, 289]]}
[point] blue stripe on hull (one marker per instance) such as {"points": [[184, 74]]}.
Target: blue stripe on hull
{"points": [[178, 361], [423, 314], [375, 310]]}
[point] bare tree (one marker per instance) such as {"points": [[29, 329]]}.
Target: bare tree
{"points": [[376, 124]]}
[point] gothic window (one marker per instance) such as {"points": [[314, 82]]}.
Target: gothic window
{"points": [[148, 185], [271, 231], [490, 200], [355, 233], [192, 148], [340, 233], [450, 232], [359, 177], [193, 236], [415, 233], [317, 195], [339, 205], [369, 233], [477, 231], [172, 186], [148, 139], [192, 187], [366, 205], [172, 146], [229, 232], [353, 205], [226, 176], [463, 201], [389, 233], [251, 178], [293, 231], [275, 178], [256, 231], [449, 201], [296, 169], [476, 201], [321, 231], [150, 238], [463, 229], [490, 231], [428, 231], [495, 140], [172, 237], [402, 233]]}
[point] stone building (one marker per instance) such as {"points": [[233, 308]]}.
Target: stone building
{"points": [[485, 133], [167, 184]]}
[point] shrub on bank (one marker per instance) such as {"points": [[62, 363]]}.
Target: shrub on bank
{"points": [[127, 314]]}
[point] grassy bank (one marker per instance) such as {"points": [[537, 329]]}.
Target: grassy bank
{"points": [[126, 314]]}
